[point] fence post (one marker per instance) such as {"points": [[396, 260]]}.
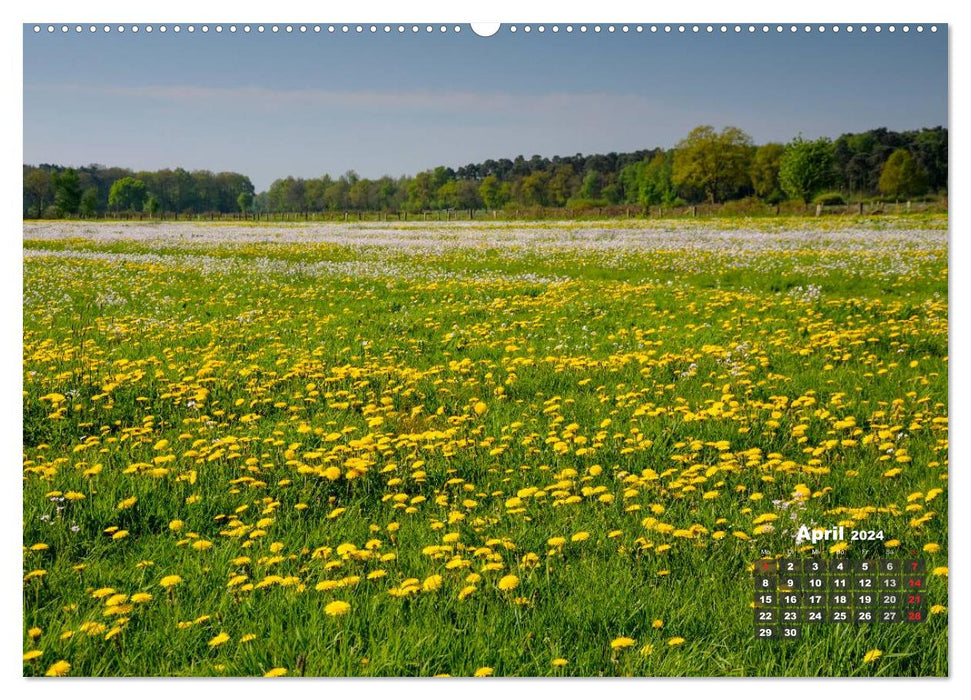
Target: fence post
{"points": [[819, 209], [861, 208]]}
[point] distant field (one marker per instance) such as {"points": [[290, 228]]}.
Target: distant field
{"points": [[416, 449]]}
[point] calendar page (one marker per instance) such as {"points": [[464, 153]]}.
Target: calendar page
{"points": [[429, 349]]}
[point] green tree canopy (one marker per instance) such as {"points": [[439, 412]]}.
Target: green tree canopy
{"points": [[902, 176], [67, 191], [89, 202], [592, 186], [491, 192], [807, 168], [467, 195], [765, 170], [534, 188], [648, 182], [38, 190], [715, 163], [127, 193], [447, 195], [245, 201]]}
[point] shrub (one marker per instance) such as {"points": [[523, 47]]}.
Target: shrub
{"points": [[586, 203], [746, 206], [829, 198]]}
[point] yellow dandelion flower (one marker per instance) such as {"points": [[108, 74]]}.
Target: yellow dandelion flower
{"points": [[247, 638], [559, 663], [127, 503], [872, 656], [508, 583], [675, 641], [59, 668], [483, 671], [622, 643], [220, 638], [337, 608], [940, 571], [647, 649], [275, 672], [432, 583], [32, 654], [170, 581]]}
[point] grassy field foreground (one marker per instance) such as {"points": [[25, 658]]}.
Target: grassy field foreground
{"points": [[549, 449]]}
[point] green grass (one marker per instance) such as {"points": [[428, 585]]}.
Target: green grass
{"points": [[725, 372]]}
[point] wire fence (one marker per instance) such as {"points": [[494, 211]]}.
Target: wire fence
{"points": [[624, 211]]}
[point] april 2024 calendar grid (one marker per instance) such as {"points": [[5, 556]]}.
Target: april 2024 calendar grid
{"points": [[790, 594]]}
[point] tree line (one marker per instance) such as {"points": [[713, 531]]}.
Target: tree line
{"points": [[707, 165], [52, 191]]}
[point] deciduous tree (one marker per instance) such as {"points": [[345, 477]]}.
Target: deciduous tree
{"points": [[67, 191], [127, 193], [712, 162], [89, 202], [902, 176], [806, 168], [765, 170]]}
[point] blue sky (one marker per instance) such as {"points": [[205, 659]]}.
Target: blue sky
{"points": [[270, 105]]}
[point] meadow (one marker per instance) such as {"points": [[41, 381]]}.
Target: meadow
{"points": [[474, 449]]}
